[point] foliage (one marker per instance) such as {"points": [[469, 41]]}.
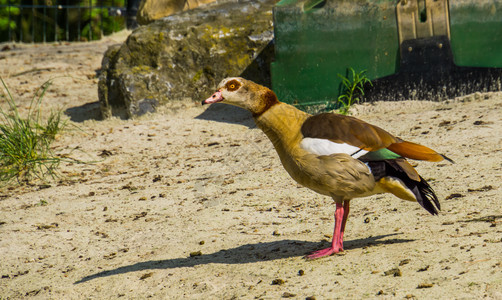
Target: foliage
{"points": [[46, 21], [353, 90], [25, 143], [6, 22], [100, 19]]}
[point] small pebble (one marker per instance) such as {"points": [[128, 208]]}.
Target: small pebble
{"points": [[288, 295], [404, 262], [301, 273], [423, 269], [277, 281], [425, 285], [195, 253], [145, 276], [396, 272], [454, 195]]}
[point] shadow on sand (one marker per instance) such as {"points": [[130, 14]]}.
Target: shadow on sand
{"points": [[227, 113], [246, 254], [88, 111]]}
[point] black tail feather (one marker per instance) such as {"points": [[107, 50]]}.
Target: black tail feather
{"points": [[425, 195], [447, 158], [421, 189]]}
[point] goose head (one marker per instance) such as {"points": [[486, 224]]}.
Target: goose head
{"points": [[245, 94]]}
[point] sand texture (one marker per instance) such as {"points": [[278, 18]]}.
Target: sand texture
{"points": [[192, 202]]}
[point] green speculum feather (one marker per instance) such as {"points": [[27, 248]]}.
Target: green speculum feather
{"points": [[380, 155]]}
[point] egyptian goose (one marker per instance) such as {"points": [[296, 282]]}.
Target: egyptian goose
{"points": [[334, 155]]}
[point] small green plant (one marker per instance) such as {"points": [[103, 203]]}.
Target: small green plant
{"points": [[353, 90], [43, 202], [25, 143]]}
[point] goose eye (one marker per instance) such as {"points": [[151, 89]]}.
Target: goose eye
{"points": [[233, 85]]}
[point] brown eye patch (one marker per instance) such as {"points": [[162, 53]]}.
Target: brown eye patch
{"points": [[233, 85]]}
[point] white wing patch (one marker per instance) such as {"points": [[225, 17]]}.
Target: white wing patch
{"points": [[327, 147]]}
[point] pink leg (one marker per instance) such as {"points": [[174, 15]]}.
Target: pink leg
{"points": [[341, 214], [346, 210]]}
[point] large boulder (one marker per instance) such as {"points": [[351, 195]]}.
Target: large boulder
{"points": [[184, 56], [151, 10]]}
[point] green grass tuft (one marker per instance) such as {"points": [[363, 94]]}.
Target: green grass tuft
{"points": [[353, 89], [25, 143]]}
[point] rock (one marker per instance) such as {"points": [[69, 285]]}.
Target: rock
{"points": [[151, 10], [186, 55]]}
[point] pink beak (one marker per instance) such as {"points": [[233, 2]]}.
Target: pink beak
{"points": [[216, 97]]}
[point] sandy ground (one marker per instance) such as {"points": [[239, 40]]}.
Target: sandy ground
{"points": [[192, 203]]}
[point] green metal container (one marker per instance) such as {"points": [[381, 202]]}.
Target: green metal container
{"points": [[476, 32], [316, 40]]}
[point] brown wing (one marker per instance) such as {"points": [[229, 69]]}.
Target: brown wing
{"points": [[344, 129]]}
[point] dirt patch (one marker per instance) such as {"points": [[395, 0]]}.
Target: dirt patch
{"points": [[192, 202]]}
